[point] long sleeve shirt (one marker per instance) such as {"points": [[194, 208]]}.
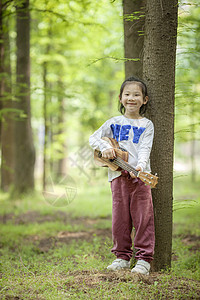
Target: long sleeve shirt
{"points": [[133, 135]]}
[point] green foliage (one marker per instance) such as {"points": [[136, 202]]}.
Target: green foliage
{"points": [[77, 65], [187, 106], [187, 72], [66, 38]]}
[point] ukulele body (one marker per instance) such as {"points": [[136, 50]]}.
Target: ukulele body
{"points": [[103, 162]]}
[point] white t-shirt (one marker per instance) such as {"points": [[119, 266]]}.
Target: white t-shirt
{"points": [[133, 135]]}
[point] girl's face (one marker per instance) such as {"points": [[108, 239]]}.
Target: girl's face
{"points": [[132, 99]]}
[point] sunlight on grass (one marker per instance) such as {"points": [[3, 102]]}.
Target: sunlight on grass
{"points": [[92, 199]]}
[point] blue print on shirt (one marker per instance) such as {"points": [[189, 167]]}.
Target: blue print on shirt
{"points": [[122, 132], [115, 129], [137, 133]]}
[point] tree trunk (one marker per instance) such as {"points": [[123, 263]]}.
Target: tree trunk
{"points": [[193, 162], [133, 12], [46, 126], [192, 143], [1, 60], [7, 128], [159, 74], [62, 161], [24, 148], [46, 116]]}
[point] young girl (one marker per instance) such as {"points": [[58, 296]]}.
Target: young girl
{"points": [[132, 200]]}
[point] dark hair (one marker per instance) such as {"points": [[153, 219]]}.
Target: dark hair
{"points": [[144, 92]]}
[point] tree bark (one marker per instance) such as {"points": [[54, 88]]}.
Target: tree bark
{"points": [[159, 74], [24, 147], [192, 143], [133, 12], [46, 127], [7, 128], [1, 60], [62, 161]]}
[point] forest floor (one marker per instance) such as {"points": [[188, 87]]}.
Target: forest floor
{"points": [[54, 253]]}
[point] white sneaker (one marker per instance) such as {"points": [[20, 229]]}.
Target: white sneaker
{"points": [[142, 267], [119, 264]]}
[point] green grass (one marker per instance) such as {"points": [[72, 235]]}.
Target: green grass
{"points": [[92, 199], [49, 252]]}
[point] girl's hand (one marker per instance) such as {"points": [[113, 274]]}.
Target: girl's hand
{"points": [[109, 153], [137, 169]]}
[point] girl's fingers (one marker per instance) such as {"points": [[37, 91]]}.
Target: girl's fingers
{"points": [[138, 168], [109, 154], [132, 175], [114, 155]]}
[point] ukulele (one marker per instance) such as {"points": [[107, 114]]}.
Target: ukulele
{"points": [[120, 163]]}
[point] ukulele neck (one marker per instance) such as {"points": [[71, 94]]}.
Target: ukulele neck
{"points": [[125, 166]]}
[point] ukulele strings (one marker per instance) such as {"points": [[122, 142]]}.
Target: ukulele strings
{"points": [[121, 163]]}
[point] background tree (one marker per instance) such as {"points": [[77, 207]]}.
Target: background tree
{"points": [[24, 148], [6, 117], [134, 19], [159, 73]]}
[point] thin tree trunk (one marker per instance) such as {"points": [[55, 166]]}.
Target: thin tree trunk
{"points": [[47, 164], [45, 126], [133, 12], [7, 128], [159, 74], [193, 162], [192, 144], [24, 150], [62, 162], [1, 59], [51, 132]]}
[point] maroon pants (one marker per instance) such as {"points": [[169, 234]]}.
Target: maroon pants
{"points": [[132, 207]]}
